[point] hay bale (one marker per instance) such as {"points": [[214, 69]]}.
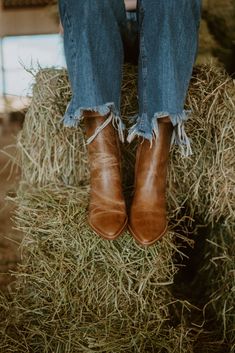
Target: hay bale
{"points": [[49, 152], [207, 46], [76, 292], [219, 16], [215, 285], [202, 183]]}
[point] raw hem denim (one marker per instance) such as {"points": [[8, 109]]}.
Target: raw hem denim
{"points": [[73, 119], [93, 41], [148, 129]]}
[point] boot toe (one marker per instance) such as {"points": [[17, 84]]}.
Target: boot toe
{"points": [[108, 226], [147, 229]]}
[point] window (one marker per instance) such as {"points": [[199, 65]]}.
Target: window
{"points": [[25, 52]]}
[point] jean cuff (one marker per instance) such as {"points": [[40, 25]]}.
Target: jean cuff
{"points": [[109, 109], [149, 131]]}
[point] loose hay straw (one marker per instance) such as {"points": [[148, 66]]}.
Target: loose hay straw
{"points": [[203, 183], [216, 281], [79, 293], [50, 152]]}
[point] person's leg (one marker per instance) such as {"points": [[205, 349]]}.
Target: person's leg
{"points": [[94, 55], [168, 44]]}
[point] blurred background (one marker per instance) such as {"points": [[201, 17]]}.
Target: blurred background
{"points": [[29, 39]]}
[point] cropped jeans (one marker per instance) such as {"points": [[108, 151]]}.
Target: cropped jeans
{"points": [[93, 45]]}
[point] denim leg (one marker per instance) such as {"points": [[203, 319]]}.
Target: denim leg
{"points": [[94, 56], [168, 38]]}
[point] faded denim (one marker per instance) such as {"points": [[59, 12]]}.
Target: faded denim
{"points": [[93, 44]]}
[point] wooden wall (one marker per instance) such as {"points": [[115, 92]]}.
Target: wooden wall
{"points": [[27, 21]]}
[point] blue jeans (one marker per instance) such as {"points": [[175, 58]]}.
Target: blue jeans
{"points": [[93, 44]]}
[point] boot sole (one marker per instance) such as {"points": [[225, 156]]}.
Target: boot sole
{"points": [[103, 236], [147, 243]]}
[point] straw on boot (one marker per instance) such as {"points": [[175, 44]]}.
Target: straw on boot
{"points": [[107, 210], [148, 221]]}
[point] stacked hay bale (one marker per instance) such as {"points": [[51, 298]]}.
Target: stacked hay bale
{"points": [[217, 33], [217, 298], [49, 152], [78, 293], [204, 183], [203, 186]]}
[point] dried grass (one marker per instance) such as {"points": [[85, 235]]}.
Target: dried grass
{"points": [[76, 292], [203, 183], [49, 152], [216, 281]]}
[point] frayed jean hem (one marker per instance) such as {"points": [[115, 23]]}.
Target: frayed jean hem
{"points": [[151, 131], [109, 109]]}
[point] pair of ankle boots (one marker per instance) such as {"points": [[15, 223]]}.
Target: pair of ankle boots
{"points": [[147, 220]]}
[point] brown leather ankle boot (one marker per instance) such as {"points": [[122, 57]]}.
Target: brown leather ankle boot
{"points": [[107, 209], [148, 221]]}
